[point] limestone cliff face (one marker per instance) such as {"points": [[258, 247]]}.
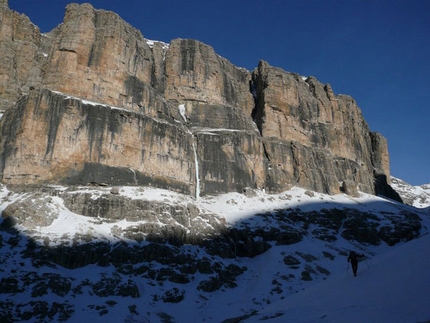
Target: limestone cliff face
{"points": [[97, 56], [51, 138], [23, 55], [322, 136], [93, 101], [194, 72]]}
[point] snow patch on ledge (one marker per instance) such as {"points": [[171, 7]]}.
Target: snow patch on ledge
{"points": [[88, 102], [152, 42]]}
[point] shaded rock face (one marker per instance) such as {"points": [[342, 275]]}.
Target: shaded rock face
{"points": [[93, 102]]}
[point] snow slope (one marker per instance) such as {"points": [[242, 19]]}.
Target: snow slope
{"points": [[392, 286]]}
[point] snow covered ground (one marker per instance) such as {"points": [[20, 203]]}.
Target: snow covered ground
{"points": [[391, 286]]}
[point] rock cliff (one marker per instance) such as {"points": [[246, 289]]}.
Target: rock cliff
{"points": [[93, 101]]}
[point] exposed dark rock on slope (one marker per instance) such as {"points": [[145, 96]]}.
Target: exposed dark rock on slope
{"points": [[112, 253], [93, 102]]}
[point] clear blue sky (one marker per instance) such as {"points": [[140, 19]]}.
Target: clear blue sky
{"points": [[376, 51]]}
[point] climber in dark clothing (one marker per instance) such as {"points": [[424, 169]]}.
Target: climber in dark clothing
{"points": [[353, 258]]}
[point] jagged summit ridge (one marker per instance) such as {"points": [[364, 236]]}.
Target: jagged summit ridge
{"points": [[262, 129]]}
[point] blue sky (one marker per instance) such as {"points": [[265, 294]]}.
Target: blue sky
{"points": [[376, 51]]}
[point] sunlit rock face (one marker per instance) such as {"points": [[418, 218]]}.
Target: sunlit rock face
{"points": [[53, 138], [312, 136], [93, 101]]}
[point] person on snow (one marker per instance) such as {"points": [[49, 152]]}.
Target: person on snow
{"points": [[353, 258]]}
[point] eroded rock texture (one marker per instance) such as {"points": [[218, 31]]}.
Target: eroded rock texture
{"points": [[312, 136], [93, 101]]}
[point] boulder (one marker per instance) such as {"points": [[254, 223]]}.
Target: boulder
{"points": [[350, 188]]}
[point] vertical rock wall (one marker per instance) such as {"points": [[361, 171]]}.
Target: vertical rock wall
{"points": [[94, 101], [22, 55], [52, 138], [194, 72], [324, 138], [97, 56]]}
